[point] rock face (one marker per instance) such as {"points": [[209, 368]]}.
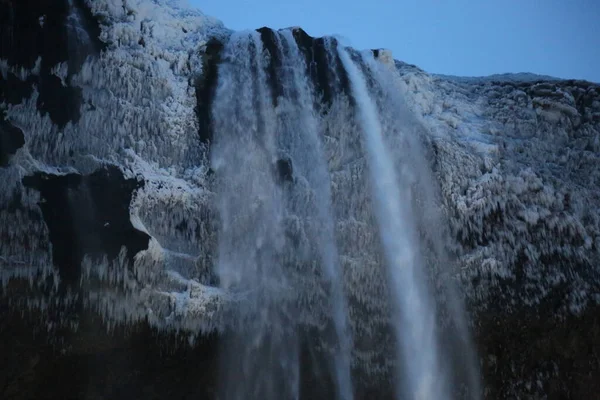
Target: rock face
{"points": [[11, 139], [518, 167], [109, 221], [87, 215]]}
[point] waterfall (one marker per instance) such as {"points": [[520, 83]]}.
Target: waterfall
{"points": [[281, 102], [300, 138], [415, 314], [459, 355], [255, 136], [260, 356]]}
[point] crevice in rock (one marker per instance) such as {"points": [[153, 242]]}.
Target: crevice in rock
{"points": [[13, 90], [87, 215], [62, 103], [11, 140]]}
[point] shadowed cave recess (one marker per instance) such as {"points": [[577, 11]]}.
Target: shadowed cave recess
{"points": [[195, 213]]}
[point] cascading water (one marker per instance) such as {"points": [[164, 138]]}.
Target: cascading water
{"points": [[261, 356], [459, 357], [300, 256], [256, 261], [415, 321], [281, 244], [299, 137]]}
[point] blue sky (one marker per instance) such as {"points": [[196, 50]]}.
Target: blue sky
{"points": [[458, 37]]}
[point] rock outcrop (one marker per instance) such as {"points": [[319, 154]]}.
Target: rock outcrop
{"points": [[108, 221]]}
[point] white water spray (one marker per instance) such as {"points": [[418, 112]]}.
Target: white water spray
{"points": [[415, 319], [302, 141], [413, 171], [260, 358]]}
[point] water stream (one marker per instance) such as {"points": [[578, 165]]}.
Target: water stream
{"points": [[279, 251], [414, 322]]}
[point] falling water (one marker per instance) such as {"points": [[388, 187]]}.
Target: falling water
{"points": [[458, 351], [278, 254], [257, 263], [415, 320], [300, 137], [260, 358]]}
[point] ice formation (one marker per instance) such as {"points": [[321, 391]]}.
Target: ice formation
{"points": [[123, 194]]}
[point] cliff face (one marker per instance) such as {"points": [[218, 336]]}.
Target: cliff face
{"points": [[109, 217], [517, 161]]}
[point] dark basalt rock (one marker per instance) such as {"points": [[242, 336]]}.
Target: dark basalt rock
{"points": [[131, 362], [13, 90], [11, 139], [87, 215], [62, 103], [128, 363], [319, 68], [537, 354], [37, 29], [285, 171], [269, 40], [206, 87], [22, 35]]}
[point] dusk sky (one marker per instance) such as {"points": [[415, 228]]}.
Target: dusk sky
{"points": [[461, 37]]}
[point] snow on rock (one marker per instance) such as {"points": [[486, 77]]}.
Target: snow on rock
{"points": [[107, 202], [137, 112], [517, 162], [519, 168], [516, 159]]}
